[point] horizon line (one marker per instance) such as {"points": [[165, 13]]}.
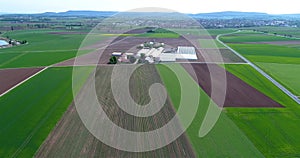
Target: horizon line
{"points": [[5, 12]]}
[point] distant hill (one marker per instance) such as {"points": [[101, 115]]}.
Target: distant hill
{"points": [[231, 15], [80, 13], [214, 15]]}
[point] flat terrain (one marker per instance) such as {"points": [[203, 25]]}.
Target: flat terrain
{"points": [[11, 77], [70, 137], [259, 120], [250, 36], [287, 74], [235, 87], [273, 131], [29, 112], [225, 139], [220, 55], [45, 47]]}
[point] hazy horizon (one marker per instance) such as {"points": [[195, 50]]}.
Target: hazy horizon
{"points": [[188, 6]]}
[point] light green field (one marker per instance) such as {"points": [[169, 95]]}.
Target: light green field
{"points": [[44, 40], [202, 32], [225, 139], [246, 36], [244, 132], [268, 53], [280, 30], [210, 43], [288, 74], [273, 131], [159, 35], [29, 112], [44, 48]]}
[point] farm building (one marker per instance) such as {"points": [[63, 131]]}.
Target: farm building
{"points": [[117, 54], [188, 53]]}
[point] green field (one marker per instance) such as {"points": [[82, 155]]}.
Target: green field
{"points": [[225, 139], [44, 40], [273, 131], [159, 35], [44, 48], [210, 43], [268, 53], [288, 74], [250, 36], [29, 112], [280, 30], [244, 132]]}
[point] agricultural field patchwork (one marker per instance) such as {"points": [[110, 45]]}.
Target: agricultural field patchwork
{"points": [[38, 118], [61, 141], [273, 131], [27, 117]]}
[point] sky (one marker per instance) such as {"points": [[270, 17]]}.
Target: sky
{"points": [[184, 6]]}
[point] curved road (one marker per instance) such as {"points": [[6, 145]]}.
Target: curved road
{"points": [[286, 91]]}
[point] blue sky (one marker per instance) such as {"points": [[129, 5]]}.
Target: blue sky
{"points": [[185, 6]]}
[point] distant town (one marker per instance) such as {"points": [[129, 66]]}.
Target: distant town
{"points": [[80, 20]]}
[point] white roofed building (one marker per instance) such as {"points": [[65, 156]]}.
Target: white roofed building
{"points": [[188, 53]]}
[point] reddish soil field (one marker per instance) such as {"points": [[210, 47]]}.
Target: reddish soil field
{"points": [[238, 94], [11, 77]]}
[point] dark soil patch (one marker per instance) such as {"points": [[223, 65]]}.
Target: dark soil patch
{"points": [[238, 93], [11, 77]]}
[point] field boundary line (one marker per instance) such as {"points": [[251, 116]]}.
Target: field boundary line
{"points": [[20, 83], [281, 87]]}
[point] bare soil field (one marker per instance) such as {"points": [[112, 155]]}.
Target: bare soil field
{"points": [[71, 138], [11, 77], [236, 88]]}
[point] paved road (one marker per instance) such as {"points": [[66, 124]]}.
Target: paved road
{"points": [[286, 91]]}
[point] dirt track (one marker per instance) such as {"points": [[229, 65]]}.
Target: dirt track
{"points": [[238, 94], [11, 77]]}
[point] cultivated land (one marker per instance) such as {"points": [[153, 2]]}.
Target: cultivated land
{"points": [[61, 141], [30, 111], [287, 74], [240, 131], [225, 139], [235, 87], [273, 131], [44, 48], [11, 77]]}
